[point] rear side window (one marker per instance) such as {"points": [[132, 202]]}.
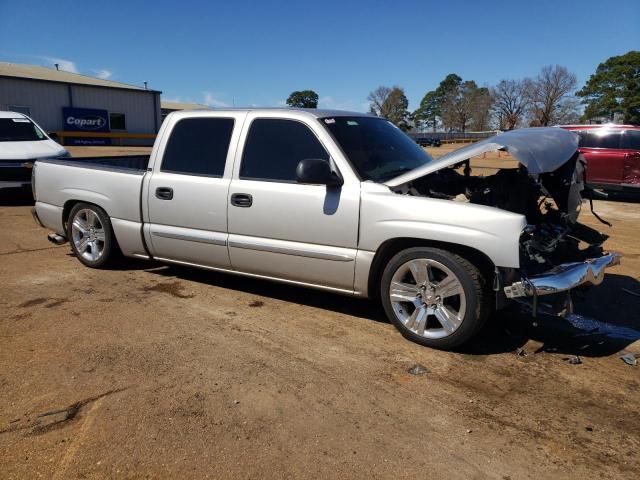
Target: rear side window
{"points": [[198, 146], [631, 139], [596, 139], [274, 148]]}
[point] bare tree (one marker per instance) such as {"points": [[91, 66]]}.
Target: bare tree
{"points": [[567, 112], [510, 102], [392, 104], [377, 99], [549, 94]]}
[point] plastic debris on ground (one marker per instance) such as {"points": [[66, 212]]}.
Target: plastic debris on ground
{"points": [[418, 369], [629, 358], [573, 360]]}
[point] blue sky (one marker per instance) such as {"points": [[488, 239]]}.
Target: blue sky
{"points": [[256, 53]]}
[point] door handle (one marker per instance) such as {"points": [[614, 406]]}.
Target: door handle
{"points": [[241, 200], [164, 193]]}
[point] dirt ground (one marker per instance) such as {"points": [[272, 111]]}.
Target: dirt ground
{"points": [[151, 371]]}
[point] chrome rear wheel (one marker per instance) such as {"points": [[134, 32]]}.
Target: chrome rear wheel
{"points": [[88, 235], [91, 236]]}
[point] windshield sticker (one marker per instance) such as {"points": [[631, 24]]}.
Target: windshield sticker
{"points": [[329, 120], [20, 120], [352, 122]]}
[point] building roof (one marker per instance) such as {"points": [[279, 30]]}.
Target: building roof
{"points": [[167, 105], [35, 72]]}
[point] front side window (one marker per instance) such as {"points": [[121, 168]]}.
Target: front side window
{"points": [[376, 148], [198, 146], [599, 139], [20, 130], [274, 147]]}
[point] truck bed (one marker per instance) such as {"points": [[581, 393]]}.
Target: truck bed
{"points": [[114, 183]]}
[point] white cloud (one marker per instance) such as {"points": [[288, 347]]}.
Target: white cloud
{"points": [[211, 100], [65, 65], [103, 73]]}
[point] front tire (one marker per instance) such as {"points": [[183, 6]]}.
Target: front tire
{"points": [[90, 234], [434, 297]]}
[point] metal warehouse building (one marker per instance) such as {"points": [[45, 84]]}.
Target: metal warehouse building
{"points": [[81, 110], [168, 106]]}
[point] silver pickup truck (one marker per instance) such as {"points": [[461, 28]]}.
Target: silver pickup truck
{"points": [[344, 202]]}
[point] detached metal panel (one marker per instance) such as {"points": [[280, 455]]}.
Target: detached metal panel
{"points": [[43, 99]]}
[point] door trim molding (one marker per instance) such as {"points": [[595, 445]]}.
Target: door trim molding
{"points": [[213, 238], [322, 252]]}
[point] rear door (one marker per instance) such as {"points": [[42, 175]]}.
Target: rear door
{"points": [[187, 193], [280, 228], [605, 159], [631, 149]]}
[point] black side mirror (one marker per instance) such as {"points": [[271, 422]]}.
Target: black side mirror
{"points": [[317, 171]]}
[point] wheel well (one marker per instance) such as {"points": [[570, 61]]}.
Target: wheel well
{"points": [[391, 247], [66, 211], [68, 206]]}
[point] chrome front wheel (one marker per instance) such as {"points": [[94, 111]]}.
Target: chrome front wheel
{"points": [[428, 298], [434, 297]]}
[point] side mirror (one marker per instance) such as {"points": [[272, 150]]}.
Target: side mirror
{"points": [[317, 171]]}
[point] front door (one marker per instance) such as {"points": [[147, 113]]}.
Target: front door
{"points": [[605, 159], [280, 228], [187, 192]]}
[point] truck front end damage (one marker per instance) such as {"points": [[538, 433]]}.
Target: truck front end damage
{"points": [[546, 186], [563, 277]]}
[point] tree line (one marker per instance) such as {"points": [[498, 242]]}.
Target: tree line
{"points": [[550, 98]]}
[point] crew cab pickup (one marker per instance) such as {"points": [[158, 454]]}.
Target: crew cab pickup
{"points": [[340, 201]]}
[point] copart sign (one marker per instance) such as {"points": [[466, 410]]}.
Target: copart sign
{"points": [[85, 120]]}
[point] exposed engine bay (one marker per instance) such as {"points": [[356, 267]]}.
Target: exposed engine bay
{"points": [[550, 202], [546, 186]]}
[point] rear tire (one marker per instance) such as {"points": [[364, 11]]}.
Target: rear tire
{"points": [[434, 297], [91, 236]]}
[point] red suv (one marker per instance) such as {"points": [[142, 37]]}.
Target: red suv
{"points": [[612, 153]]}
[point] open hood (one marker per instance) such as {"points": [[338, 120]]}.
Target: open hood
{"points": [[540, 150]]}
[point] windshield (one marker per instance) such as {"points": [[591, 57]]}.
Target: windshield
{"points": [[19, 130], [376, 148]]}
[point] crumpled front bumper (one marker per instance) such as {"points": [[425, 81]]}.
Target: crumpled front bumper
{"points": [[564, 277]]}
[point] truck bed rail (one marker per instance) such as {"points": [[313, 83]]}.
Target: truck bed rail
{"points": [[124, 163]]}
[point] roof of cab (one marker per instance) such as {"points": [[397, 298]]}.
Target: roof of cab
{"points": [[6, 114], [314, 112]]}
